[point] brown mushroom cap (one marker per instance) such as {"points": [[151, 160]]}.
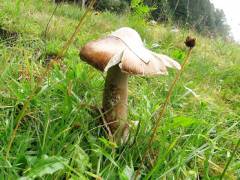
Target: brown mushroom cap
{"points": [[125, 47]]}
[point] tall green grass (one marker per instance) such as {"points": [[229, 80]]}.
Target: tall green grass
{"points": [[60, 137]]}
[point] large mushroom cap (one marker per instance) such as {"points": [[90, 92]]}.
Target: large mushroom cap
{"points": [[125, 47]]}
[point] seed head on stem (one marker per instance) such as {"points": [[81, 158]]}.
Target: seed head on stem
{"points": [[190, 43]]}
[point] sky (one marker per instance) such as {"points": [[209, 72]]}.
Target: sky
{"points": [[231, 9]]}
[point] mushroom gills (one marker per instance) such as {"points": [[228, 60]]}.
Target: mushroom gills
{"points": [[116, 59]]}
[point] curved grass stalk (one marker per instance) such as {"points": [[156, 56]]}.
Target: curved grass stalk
{"points": [[45, 74], [190, 43], [230, 159]]}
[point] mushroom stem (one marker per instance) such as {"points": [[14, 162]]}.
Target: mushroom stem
{"points": [[115, 99]]}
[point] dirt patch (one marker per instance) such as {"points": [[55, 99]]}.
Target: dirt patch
{"points": [[9, 38], [47, 58]]}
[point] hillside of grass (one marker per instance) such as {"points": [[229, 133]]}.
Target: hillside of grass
{"points": [[49, 118]]}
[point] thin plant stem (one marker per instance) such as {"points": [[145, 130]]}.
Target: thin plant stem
{"points": [[77, 29], [46, 29], [230, 159], [45, 74], [163, 110]]}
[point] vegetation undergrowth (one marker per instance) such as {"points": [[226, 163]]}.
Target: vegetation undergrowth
{"points": [[60, 136]]}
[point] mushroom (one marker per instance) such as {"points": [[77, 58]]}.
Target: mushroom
{"points": [[121, 54]]}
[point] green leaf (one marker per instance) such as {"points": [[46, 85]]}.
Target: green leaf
{"points": [[135, 3], [139, 8], [127, 173], [79, 159], [182, 121], [108, 143], [101, 151], [45, 165]]}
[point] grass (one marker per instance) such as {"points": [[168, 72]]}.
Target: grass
{"points": [[59, 137]]}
